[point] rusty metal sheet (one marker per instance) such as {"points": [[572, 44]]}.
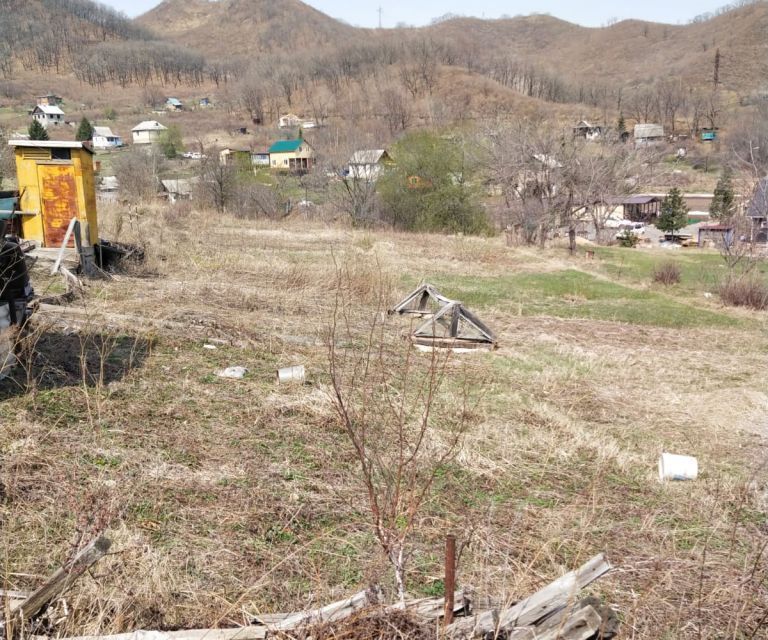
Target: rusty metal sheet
{"points": [[59, 200]]}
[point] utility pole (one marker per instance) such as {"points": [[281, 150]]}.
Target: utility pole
{"points": [[380, 11]]}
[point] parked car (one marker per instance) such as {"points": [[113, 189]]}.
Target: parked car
{"points": [[635, 228]]}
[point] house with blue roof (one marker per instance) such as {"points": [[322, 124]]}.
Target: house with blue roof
{"points": [[291, 155], [174, 104]]}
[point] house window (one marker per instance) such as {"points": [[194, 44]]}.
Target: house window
{"points": [[61, 154], [285, 162]]}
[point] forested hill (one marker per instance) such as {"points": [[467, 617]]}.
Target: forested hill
{"points": [[93, 41]]}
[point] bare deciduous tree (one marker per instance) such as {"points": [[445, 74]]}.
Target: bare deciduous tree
{"points": [[393, 404]]}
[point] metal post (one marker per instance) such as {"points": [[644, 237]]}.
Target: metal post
{"points": [[450, 576]]}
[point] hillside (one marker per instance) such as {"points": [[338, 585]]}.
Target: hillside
{"points": [[630, 52], [241, 27]]}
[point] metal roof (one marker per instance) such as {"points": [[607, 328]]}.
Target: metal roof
{"points": [[51, 144], [367, 156], [647, 130], [104, 132], [149, 125], [48, 110], [637, 200], [286, 146]]}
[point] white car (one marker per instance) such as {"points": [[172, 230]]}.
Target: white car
{"points": [[635, 228]]}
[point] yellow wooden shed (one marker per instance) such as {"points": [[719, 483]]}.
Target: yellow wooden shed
{"points": [[56, 183]]}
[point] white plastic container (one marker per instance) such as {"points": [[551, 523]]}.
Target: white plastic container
{"points": [[7, 359], [291, 374], [675, 467]]}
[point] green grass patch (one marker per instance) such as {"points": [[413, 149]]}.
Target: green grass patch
{"points": [[575, 294]]}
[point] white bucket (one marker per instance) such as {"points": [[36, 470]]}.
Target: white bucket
{"points": [[291, 374], [7, 359], [675, 467]]}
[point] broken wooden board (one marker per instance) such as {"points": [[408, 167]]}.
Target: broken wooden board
{"points": [[61, 580], [535, 608]]}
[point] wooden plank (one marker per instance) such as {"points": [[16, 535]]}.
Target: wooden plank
{"points": [[61, 580], [331, 612], [240, 633], [536, 607], [64, 243], [583, 624]]}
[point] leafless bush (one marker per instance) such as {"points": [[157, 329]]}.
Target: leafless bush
{"points": [[667, 273], [745, 291], [403, 424], [136, 170]]}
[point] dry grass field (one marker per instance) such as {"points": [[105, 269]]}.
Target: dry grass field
{"points": [[230, 497]]}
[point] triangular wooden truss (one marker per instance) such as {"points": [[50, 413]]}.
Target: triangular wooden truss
{"points": [[456, 326], [424, 301]]}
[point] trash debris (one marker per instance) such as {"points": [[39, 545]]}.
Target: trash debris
{"points": [[234, 373], [291, 374], [210, 347], [676, 467]]}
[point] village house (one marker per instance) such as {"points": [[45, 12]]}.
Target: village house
{"points": [[174, 104], [291, 121], [587, 131], [235, 157], [50, 100], [291, 155], [103, 138], [648, 135], [205, 103], [47, 115], [757, 212], [716, 235], [179, 189], [368, 164], [147, 132], [638, 208]]}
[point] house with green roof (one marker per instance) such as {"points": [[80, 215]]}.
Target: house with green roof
{"points": [[291, 155]]}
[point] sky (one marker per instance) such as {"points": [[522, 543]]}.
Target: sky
{"points": [[591, 13]]}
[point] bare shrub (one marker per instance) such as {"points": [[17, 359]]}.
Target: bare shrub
{"points": [[667, 273], [745, 291], [405, 416]]}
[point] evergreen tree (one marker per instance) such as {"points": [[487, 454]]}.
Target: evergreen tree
{"points": [[621, 125], [674, 213], [724, 202], [37, 131], [84, 131]]}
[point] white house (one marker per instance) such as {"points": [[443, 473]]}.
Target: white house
{"points": [[147, 132], [289, 120], [103, 138], [368, 164], [48, 115]]}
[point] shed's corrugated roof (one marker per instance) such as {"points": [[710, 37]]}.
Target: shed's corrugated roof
{"points": [[286, 146], [174, 101]]}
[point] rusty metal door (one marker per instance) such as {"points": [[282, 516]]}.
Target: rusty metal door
{"points": [[59, 199]]}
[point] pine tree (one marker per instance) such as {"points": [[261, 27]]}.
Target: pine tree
{"points": [[674, 213], [37, 131], [724, 200], [621, 125], [84, 131]]}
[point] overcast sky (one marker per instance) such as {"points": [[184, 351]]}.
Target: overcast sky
{"points": [[587, 12]]}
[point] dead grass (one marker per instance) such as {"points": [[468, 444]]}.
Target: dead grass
{"points": [[226, 498]]}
